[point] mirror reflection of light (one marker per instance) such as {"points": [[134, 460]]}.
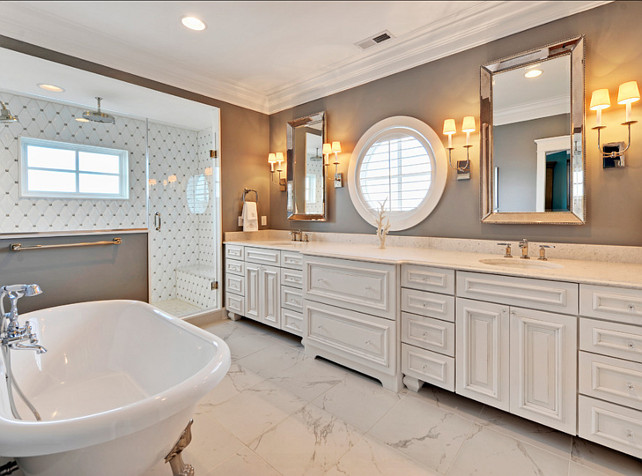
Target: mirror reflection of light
{"points": [[152, 181], [533, 73], [209, 171], [172, 178]]}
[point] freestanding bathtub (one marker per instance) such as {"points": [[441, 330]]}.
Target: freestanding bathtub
{"points": [[115, 390]]}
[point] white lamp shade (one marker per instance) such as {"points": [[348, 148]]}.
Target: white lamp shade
{"points": [[600, 99], [449, 127], [279, 157], [336, 146], [327, 148], [272, 158], [469, 124], [628, 92]]}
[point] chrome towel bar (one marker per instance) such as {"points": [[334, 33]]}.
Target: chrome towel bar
{"points": [[19, 247]]}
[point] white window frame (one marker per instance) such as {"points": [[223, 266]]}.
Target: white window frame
{"points": [[439, 170], [123, 176]]}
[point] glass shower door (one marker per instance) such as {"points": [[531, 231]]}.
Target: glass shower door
{"points": [[184, 219]]}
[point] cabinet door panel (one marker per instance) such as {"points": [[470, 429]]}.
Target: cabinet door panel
{"points": [[269, 292], [482, 352], [543, 349], [252, 291]]}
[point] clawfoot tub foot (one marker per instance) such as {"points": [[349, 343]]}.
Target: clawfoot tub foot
{"points": [[175, 458]]}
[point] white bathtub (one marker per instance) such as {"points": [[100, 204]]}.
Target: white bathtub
{"points": [[116, 388]]}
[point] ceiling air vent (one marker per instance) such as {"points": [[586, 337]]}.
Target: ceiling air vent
{"points": [[373, 40]]}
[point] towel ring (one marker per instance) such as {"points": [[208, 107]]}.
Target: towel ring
{"points": [[249, 190]]}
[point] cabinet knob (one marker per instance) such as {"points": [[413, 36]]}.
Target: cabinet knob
{"points": [[630, 386], [629, 433], [632, 307], [368, 342], [631, 345]]}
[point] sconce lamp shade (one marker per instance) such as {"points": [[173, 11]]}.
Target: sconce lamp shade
{"points": [[628, 93], [449, 127], [600, 99], [279, 157], [327, 148], [272, 158], [336, 146], [469, 124]]}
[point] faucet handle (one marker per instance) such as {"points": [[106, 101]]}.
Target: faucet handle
{"points": [[542, 252], [507, 252]]}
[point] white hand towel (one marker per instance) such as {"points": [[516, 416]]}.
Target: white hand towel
{"points": [[250, 217]]}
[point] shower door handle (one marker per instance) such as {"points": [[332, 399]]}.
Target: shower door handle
{"points": [[158, 222]]}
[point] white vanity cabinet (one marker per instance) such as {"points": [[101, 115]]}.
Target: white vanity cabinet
{"points": [[350, 315], [610, 359], [514, 358], [264, 284]]}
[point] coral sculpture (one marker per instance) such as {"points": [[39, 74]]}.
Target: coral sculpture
{"points": [[382, 230]]}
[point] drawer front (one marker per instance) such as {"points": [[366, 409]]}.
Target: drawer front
{"points": [[235, 252], [235, 267], [428, 304], [359, 337], [292, 322], [427, 278], [263, 256], [234, 303], [611, 338], [291, 298], [614, 304], [614, 380], [235, 284], [357, 285], [292, 277], [540, 294], [428, 366], [428, 333], [291, 259], [610, 425]]}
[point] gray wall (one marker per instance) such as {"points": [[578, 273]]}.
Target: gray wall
{"points": [[515, 153], [68, 275], [449, 87]]}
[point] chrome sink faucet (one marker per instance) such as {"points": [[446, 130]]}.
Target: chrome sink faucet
{"points": [[524, 246], [12, 335]]}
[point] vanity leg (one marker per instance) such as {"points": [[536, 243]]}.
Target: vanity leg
{"points": [[174, 457], [412, 383], [233, 316]]}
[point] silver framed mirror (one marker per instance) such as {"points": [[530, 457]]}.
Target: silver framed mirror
{"points": [[306, 184], [532, 166]]}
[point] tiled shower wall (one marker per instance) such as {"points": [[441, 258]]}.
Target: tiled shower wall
{"points": [[52, 121]]}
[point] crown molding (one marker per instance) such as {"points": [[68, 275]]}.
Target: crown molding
{"points": [[476, 26], [528, 111]]}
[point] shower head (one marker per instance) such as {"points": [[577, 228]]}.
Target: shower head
{"points": [[5, 115], [98, 115]]}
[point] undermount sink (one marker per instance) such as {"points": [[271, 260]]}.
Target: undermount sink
{"points": [[520, 263]]}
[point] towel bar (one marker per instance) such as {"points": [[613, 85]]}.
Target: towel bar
{"points": [[249, 190], [19, 247]]}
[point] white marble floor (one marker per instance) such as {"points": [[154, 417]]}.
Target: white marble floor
{"points": [[278, 412]]}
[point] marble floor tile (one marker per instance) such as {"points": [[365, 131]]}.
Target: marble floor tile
{"points": [[243, 344], [272, 361], [310, 442], [450, 401], [359, 400], [490, 453], [424, 432], [236, 380], [371, 458], [244, 463], [603, 459]]}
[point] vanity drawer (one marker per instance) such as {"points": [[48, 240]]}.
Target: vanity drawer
{"points": [[428, 333], [292, 298], [291, 259], [428, 278], [357, 285], [610, 425], [367, 340], [531, 293], [234, 252], [292, 322], [234, 303], [427, 366], [234, 284], [428, 304], [235, 267], [262, 256], [614, 304], [611, 338], [292, 277], [614, 380]]}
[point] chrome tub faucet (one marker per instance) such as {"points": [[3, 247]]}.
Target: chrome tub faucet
{"points": [[12, 335]]}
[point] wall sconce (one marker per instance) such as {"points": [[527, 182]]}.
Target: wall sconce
{"points": [[468, 126], [272, 161], [613, 152], [280, 168], [329, 148]]}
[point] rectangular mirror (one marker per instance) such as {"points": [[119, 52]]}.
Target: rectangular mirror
{"points": [[305, 170], [532, 123]]}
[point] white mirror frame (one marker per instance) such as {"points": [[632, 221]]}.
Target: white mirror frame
{"points": [[430, 140]]}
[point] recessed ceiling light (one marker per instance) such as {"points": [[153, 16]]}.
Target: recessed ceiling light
{"points": [[81, 119], [193, 23], [51, 87], [533, 73]]}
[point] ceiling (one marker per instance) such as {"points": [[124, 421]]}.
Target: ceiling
{"points": [[265, 55]]}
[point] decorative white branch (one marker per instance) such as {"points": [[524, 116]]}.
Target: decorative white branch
{"points": [[382, 230]]}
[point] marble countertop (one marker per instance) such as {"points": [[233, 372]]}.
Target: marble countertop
{"points": [[627, 275]]}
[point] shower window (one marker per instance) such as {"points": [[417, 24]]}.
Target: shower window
{"points": [[64, 170]]}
